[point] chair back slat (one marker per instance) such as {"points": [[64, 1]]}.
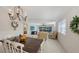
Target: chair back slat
{"points": [[13, 47]]}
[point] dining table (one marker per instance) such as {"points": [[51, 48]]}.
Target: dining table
{"points": [[32, 45]]}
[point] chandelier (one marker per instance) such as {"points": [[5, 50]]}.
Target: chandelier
{"points": [[16, 15]]}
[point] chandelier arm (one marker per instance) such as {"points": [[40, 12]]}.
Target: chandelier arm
{"points": [[16, 13]]}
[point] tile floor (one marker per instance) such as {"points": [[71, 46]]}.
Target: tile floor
{"points": [[52, 46]]}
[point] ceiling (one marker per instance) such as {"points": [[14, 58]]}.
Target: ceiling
{"points": [[41, 14], [46, 13]]}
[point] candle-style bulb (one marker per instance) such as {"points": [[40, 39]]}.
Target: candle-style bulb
{"points": [[9, 11]]}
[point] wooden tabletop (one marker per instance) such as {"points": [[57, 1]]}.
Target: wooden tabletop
{"points": [[32, 45]]}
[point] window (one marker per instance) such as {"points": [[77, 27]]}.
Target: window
{"points": [[45, 28], [62, 27]]}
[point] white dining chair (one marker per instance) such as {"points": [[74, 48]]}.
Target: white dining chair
{"points": [[8, 46], [18, 47], [13, 47], [1, 47]]}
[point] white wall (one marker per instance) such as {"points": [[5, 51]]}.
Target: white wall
{"points": [[5, 28], [70, 41]]}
